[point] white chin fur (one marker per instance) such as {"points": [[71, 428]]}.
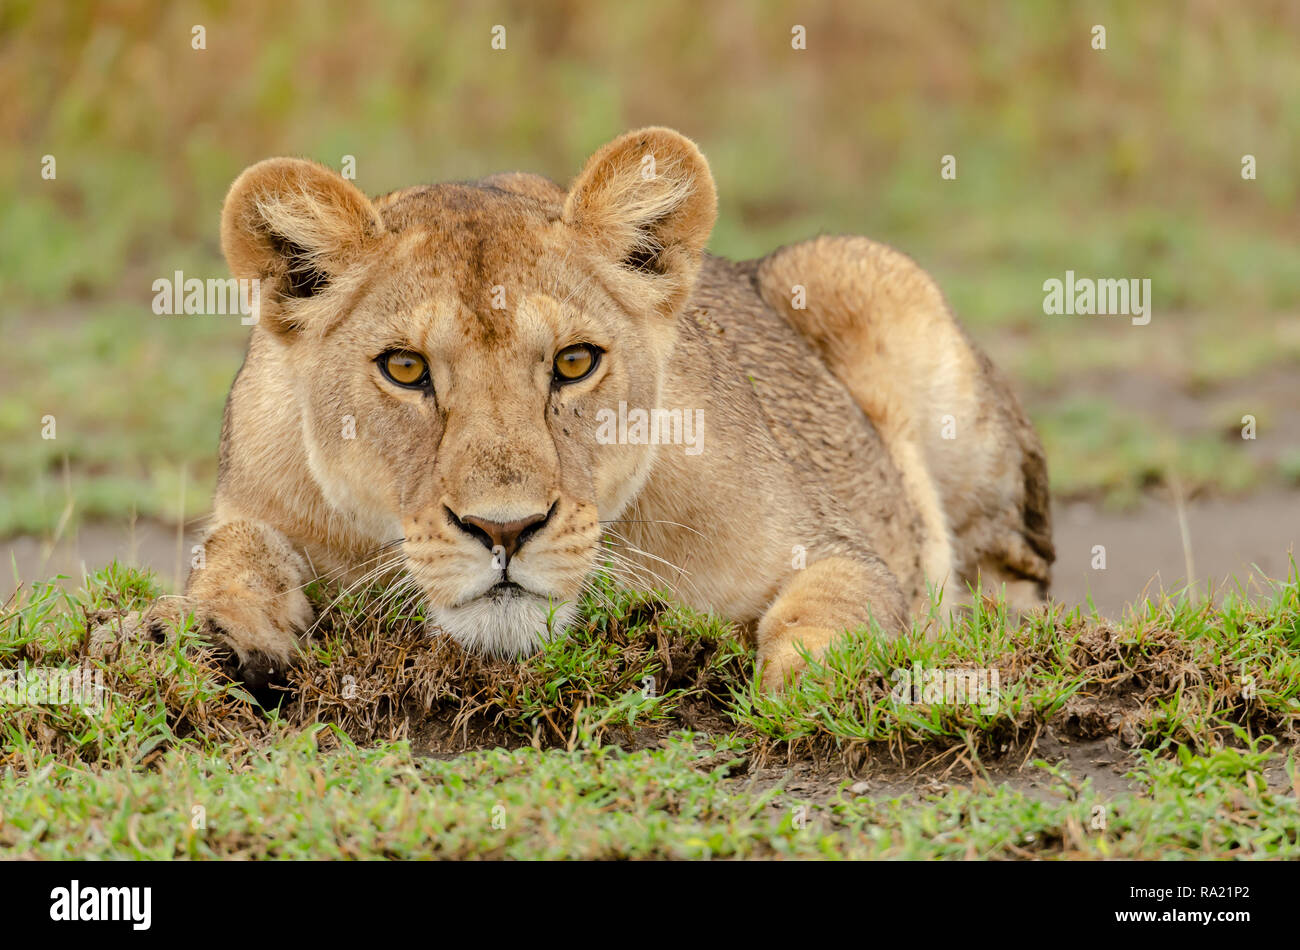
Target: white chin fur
{"points": [[509, 626]]}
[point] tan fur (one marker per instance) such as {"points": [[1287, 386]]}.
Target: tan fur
{"points": [[883, 328], [823, 495]]}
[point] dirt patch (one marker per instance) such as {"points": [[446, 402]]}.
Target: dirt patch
{"points": [[1106, 764], [1249, 539], [1104, 761], [1082, 680], [1187, 408], [380, 686], [145, 544]]}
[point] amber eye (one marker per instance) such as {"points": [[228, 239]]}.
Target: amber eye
{"points": [[575, 362], [404, 368]]}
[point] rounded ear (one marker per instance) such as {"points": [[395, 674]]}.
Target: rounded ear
{"points": [[646, 203], [292, 225]]}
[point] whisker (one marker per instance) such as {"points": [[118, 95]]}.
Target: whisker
{"points": [[399, 592], [637, 573], [675, 524], [359, 584], [331, 575], [636, 550]]}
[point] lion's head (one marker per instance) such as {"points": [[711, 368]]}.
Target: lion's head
{"points": [[449, 347]]}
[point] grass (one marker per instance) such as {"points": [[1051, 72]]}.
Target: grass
{"points": [[123, 441], [1179, 674], [1138, 146], [1213, 806], [294, 800], [1116, 453], [642, 735]]}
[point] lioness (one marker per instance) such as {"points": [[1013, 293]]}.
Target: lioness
{"points": [[495, 388]]}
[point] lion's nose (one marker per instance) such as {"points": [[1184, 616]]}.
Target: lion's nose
{"points": [[508, 535]]}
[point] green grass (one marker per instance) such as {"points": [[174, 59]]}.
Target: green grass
{"points": [[136, 401], [1099, 449], [295, 801], [1213, 806], [1131, 681], [569, 754]]}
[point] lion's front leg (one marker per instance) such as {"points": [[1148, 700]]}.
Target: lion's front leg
{"points": [[247, 597], [820, 603]]}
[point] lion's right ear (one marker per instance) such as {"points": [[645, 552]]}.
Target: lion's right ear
{"points": [[293, 226]]}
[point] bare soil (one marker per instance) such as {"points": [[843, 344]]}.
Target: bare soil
{"points": [[1104, 761], [1249, 537]]}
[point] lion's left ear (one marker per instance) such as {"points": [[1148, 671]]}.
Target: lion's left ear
{"points": [[645, 203]]}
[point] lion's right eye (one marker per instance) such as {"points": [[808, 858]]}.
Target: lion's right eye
{"points": [[575, 362], [404, 368]]}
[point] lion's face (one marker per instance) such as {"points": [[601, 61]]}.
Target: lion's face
{"points": [[451, 347], [474, 383]]}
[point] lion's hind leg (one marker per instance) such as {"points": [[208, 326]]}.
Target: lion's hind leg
{"points": [[969, 458]]}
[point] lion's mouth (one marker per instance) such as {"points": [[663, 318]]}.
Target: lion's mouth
{"points": [[507, 619], [501, 593], [504, 589]]}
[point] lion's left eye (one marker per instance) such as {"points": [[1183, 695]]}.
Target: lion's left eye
{"points": [[575, 362]]}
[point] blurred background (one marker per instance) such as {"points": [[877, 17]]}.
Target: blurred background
{"points": [[1121, 163]]}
